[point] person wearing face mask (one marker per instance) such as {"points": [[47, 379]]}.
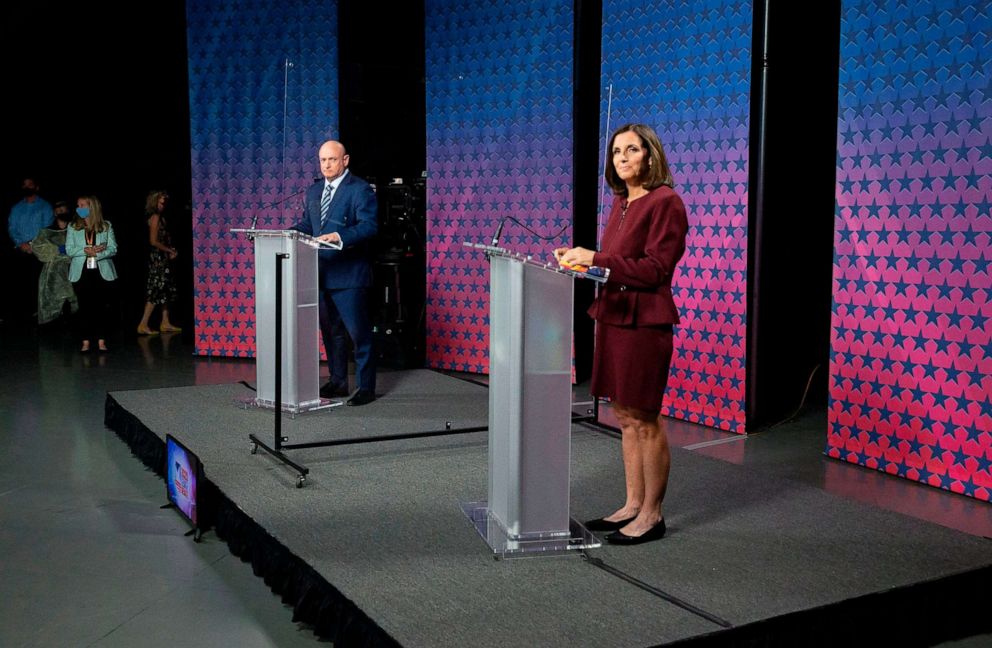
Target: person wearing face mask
{"points": [[634, 312], [90, 244], [54, 288], [26, 219]]}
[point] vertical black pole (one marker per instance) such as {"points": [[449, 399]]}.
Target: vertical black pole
{"points": [[756, 230], [278, 421]]}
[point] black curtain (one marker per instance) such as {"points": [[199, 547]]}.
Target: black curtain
{"points": [[791, 207]]}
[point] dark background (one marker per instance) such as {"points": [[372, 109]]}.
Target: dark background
{"points": [[98, 104], [793, 147]]}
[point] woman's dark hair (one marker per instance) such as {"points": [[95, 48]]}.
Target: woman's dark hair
{"points": [[657, 172]]}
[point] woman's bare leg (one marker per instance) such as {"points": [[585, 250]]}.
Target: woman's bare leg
{"points": [[633, 469], [655, 458], [143, 325]]}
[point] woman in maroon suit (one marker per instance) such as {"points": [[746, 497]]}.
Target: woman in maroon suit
{"points": [[634, 312]]}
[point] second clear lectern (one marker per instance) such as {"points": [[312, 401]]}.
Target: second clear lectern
{"points": [[300, 319], [530, 414]]}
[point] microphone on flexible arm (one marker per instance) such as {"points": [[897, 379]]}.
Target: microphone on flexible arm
{"points": [[499, 230], [254, 218]]}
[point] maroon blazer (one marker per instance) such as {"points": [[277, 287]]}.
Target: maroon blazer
{"points": [[641, 249]]}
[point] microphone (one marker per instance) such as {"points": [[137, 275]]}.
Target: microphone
{"points": [[254, 218], [499, 230]]}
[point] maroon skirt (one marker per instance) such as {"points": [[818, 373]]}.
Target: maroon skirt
{"points": [[630, 365]]}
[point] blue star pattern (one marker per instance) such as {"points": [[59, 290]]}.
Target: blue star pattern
{"points": [[910, 370], [684, 68], [499, 143], [263, 86]]}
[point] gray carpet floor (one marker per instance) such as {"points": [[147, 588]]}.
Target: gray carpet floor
{"points": [[381, 522]]}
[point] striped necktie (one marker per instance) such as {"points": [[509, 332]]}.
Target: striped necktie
{"points": [[325, 203]]}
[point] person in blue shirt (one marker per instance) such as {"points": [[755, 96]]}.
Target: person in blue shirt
{"points": [[28, 217]]}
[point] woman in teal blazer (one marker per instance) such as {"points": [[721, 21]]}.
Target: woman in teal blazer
{"points": [[90, 244]]}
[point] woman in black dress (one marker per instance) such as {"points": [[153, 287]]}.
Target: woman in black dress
{"points": [[634, 312]]}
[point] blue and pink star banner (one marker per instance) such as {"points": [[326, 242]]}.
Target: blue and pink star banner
{"points": [[911, 341], [499, 144], [263, 82], [684, 68]]}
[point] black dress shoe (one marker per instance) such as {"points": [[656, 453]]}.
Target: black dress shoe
{"points": [[599, 524], [332, 389], [361, 397], [657, 532]]}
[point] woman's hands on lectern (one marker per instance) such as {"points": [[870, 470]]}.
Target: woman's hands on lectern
{"points": [[577, 256]]}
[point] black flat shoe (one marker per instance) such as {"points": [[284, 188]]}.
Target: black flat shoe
{"points": [[599, 524], [361, 397], [332, 389], [657, 532]]}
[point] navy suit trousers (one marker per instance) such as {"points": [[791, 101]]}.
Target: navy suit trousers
{"points": [[347, 309]]}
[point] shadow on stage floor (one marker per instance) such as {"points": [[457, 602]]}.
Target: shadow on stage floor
{"points": [[375, 549]]}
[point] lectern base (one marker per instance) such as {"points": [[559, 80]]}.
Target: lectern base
{"points": [[504, 546], [260, 403]]}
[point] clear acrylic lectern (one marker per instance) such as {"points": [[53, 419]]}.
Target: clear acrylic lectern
{"points": [[300, 320], [530, 413]]}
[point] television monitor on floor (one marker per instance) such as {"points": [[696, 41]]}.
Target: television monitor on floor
{"points": [[183, 475]]}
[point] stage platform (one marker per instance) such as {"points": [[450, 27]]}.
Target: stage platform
{"points": [[376, 551]]}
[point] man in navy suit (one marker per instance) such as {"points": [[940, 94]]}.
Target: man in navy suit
{"points": [[343, 208]]}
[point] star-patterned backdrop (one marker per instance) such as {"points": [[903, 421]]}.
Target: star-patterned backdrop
{"points": [[263, 81], [499, 143], [911, 358], [684, 68]]}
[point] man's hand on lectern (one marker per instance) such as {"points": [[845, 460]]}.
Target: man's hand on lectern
{"points": [[333, 237]]}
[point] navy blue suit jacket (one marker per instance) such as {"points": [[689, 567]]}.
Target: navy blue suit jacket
{"points": [[353, 215]]}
